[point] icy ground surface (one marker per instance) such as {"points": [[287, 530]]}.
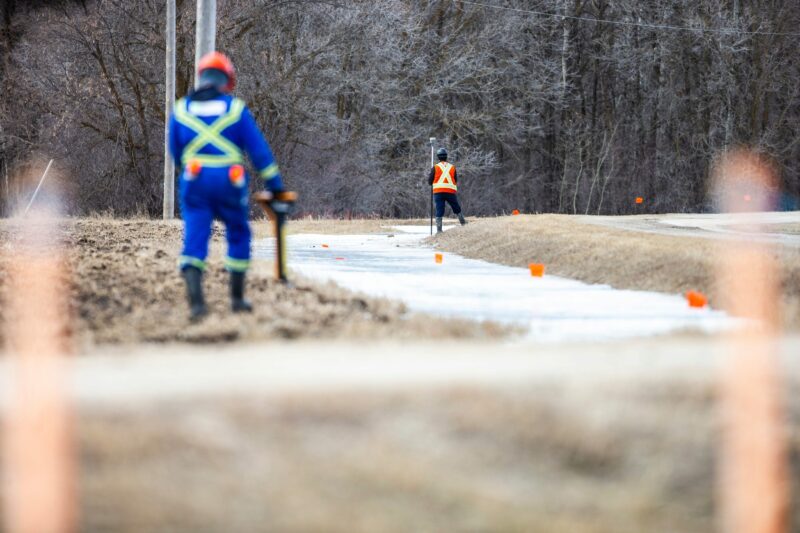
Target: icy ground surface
{"points": [[399, 266]]}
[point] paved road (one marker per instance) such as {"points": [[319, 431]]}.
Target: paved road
{"points": [[712, 226]]}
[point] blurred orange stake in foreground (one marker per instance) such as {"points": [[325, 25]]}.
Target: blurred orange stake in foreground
{"points": [[438, 258], [515, 212], [639, 200], [38, 459], [696, 299], [537, 270], [754, 481], [325, 246]]}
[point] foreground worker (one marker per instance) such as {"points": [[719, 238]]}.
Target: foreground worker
{"points": [[209, 132], [443, 178]]}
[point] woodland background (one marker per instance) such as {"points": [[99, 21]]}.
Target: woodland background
{"points": [[541, 113]]}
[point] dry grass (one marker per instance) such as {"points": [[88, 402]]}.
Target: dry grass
{"points": [[623, 259], [126, 288], [552, 457], [607, 455], [462, 460], [324, 226]]}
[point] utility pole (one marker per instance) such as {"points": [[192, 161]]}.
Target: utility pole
{"points": [[169, 85], [206, 31]]}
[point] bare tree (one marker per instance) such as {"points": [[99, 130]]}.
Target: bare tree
{"points": [[542, 113]]}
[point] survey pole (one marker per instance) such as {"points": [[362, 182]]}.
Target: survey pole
{"points": [[433, 161]]}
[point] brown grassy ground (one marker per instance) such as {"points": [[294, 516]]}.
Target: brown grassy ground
{"points": [[566, 452], [126, 288], [623, 259], [457, 460]]}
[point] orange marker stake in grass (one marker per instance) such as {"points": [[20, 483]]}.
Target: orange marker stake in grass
{"points": [[537, 270], [639, 200], [696, 299], [515, 212], [439, 258]]}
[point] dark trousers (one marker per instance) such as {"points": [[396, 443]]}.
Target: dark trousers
{"points": [[441, 197]]}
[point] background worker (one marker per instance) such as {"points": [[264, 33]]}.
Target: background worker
{"points": [[210, 131], [443, 178]]}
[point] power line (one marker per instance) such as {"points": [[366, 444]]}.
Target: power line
{"points": [[724, 31]]}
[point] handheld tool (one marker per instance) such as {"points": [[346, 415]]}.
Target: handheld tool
{"points": [[278, 206]]}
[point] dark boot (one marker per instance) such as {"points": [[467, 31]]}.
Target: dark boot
{"points": [[238, 303], [462, 219], [438, 224], [194, 290]]}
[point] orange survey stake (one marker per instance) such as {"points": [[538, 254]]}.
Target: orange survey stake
{"points": [[696, 299], [537, 270]]}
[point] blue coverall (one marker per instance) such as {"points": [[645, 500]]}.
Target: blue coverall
{"points": [[209, 131]]}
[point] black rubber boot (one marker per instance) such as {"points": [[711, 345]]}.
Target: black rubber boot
{"points": [[438, 224], [462, 219], [194, 290], [238, 303]]}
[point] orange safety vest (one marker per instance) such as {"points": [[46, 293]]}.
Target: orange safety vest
{"points": [[444, 178]]}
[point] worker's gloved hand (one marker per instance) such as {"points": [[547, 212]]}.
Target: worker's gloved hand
{"points": [[282, 202]]}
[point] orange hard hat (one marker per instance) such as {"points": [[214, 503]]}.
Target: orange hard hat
{"points": [[218, 61]]}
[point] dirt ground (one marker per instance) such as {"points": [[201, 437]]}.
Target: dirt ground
{"points": [[464, 459], [627, 444], [623, 259], [125, 285], [596, 438], [126, 288]]}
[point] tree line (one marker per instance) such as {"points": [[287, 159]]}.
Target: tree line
{"points": [[567, 106]]}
